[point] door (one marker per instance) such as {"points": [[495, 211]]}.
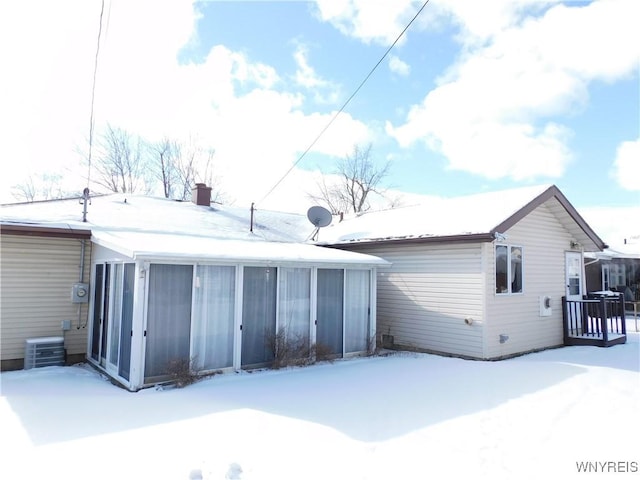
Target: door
{"points": [[356, 311], [573, 273], [112, 317], [330, 311], [168, 320], [115, 320], [100, 321], [126, 328], [258, 315], [605, 277], [96, 322]]}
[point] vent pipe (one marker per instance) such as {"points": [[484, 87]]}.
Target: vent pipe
{"points": [[85, 201]]}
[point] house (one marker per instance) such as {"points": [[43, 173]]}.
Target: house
{"points": [[617, 268], [481, 276], [147, 281]]}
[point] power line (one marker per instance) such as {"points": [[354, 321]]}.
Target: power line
{"points": [[345, 103], [93, 93]]}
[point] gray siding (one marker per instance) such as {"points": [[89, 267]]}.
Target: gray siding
{"points": [[425, 296], [544, 243], [37, 274]]}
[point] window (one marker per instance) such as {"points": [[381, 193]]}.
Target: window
{"points": [[508, 269], [618, 278], [213, 317], [294, 304]]}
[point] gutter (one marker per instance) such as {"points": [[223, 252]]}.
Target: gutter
{"points": [[471, 238], [41, 231]]}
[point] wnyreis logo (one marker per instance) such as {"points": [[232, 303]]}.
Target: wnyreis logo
{"points": [[608, 467]]}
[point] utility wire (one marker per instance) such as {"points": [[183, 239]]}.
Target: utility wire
{"points": [[345, 103], [93, 93]]}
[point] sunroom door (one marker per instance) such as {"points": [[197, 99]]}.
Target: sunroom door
{"points": [[115, 310], [112, 317], [357, 311], [168, 319], [330, 311], [258, 315], [100, 320], [126, 325], [212, 328]]}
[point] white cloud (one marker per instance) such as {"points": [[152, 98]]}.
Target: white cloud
{"points": [[324, 91], [305, 74], [48, 73], [626, 167], [370, 21], [480, 22], [228, 102], [378, 21], [603, 42], [490, 113], [399, 67], [614, 225]]}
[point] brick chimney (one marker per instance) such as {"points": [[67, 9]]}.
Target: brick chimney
{"points": [[201, 195]]}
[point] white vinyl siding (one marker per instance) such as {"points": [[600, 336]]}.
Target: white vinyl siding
{"points": [[544, 241], [37, 274], [425, 296]]}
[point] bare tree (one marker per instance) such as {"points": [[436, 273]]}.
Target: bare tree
{"points": [[331, 195], [25, 191], [119, 163], [193, 166], [44, 186], [165, 156], [358, 177], [180, 165]]}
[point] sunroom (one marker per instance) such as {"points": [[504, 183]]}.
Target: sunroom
{"points": [[158, 298]]}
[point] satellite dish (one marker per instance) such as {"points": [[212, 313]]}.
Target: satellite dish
{"points": [[319, 216]]}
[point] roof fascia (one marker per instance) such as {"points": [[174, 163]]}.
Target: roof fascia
{"points": [[551, 192], [39, 231]]}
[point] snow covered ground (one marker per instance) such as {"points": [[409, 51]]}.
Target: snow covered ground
{"points": [[403, 416]]}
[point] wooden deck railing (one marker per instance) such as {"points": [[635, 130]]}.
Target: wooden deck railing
{"points": [[594, 321]]}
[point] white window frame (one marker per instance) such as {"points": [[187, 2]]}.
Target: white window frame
{"points": [[509, 248]]}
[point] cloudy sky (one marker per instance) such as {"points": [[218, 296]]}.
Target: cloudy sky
{"points": [[474, 96]]}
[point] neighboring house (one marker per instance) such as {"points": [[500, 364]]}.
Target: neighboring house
{"points": [[617, 269], [481, 276], [170, 280]]}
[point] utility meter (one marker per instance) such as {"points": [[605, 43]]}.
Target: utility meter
{"points": [[80, 293]]}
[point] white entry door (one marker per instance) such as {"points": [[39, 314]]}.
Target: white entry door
{"points": [[573, 273]]}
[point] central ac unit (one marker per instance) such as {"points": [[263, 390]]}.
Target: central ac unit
{"points": [[43, 352]]}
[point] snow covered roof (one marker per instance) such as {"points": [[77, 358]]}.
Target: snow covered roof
{"points": [[153, 214], [148, 246], [626, 250], [478, 216], [151, 227]]}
